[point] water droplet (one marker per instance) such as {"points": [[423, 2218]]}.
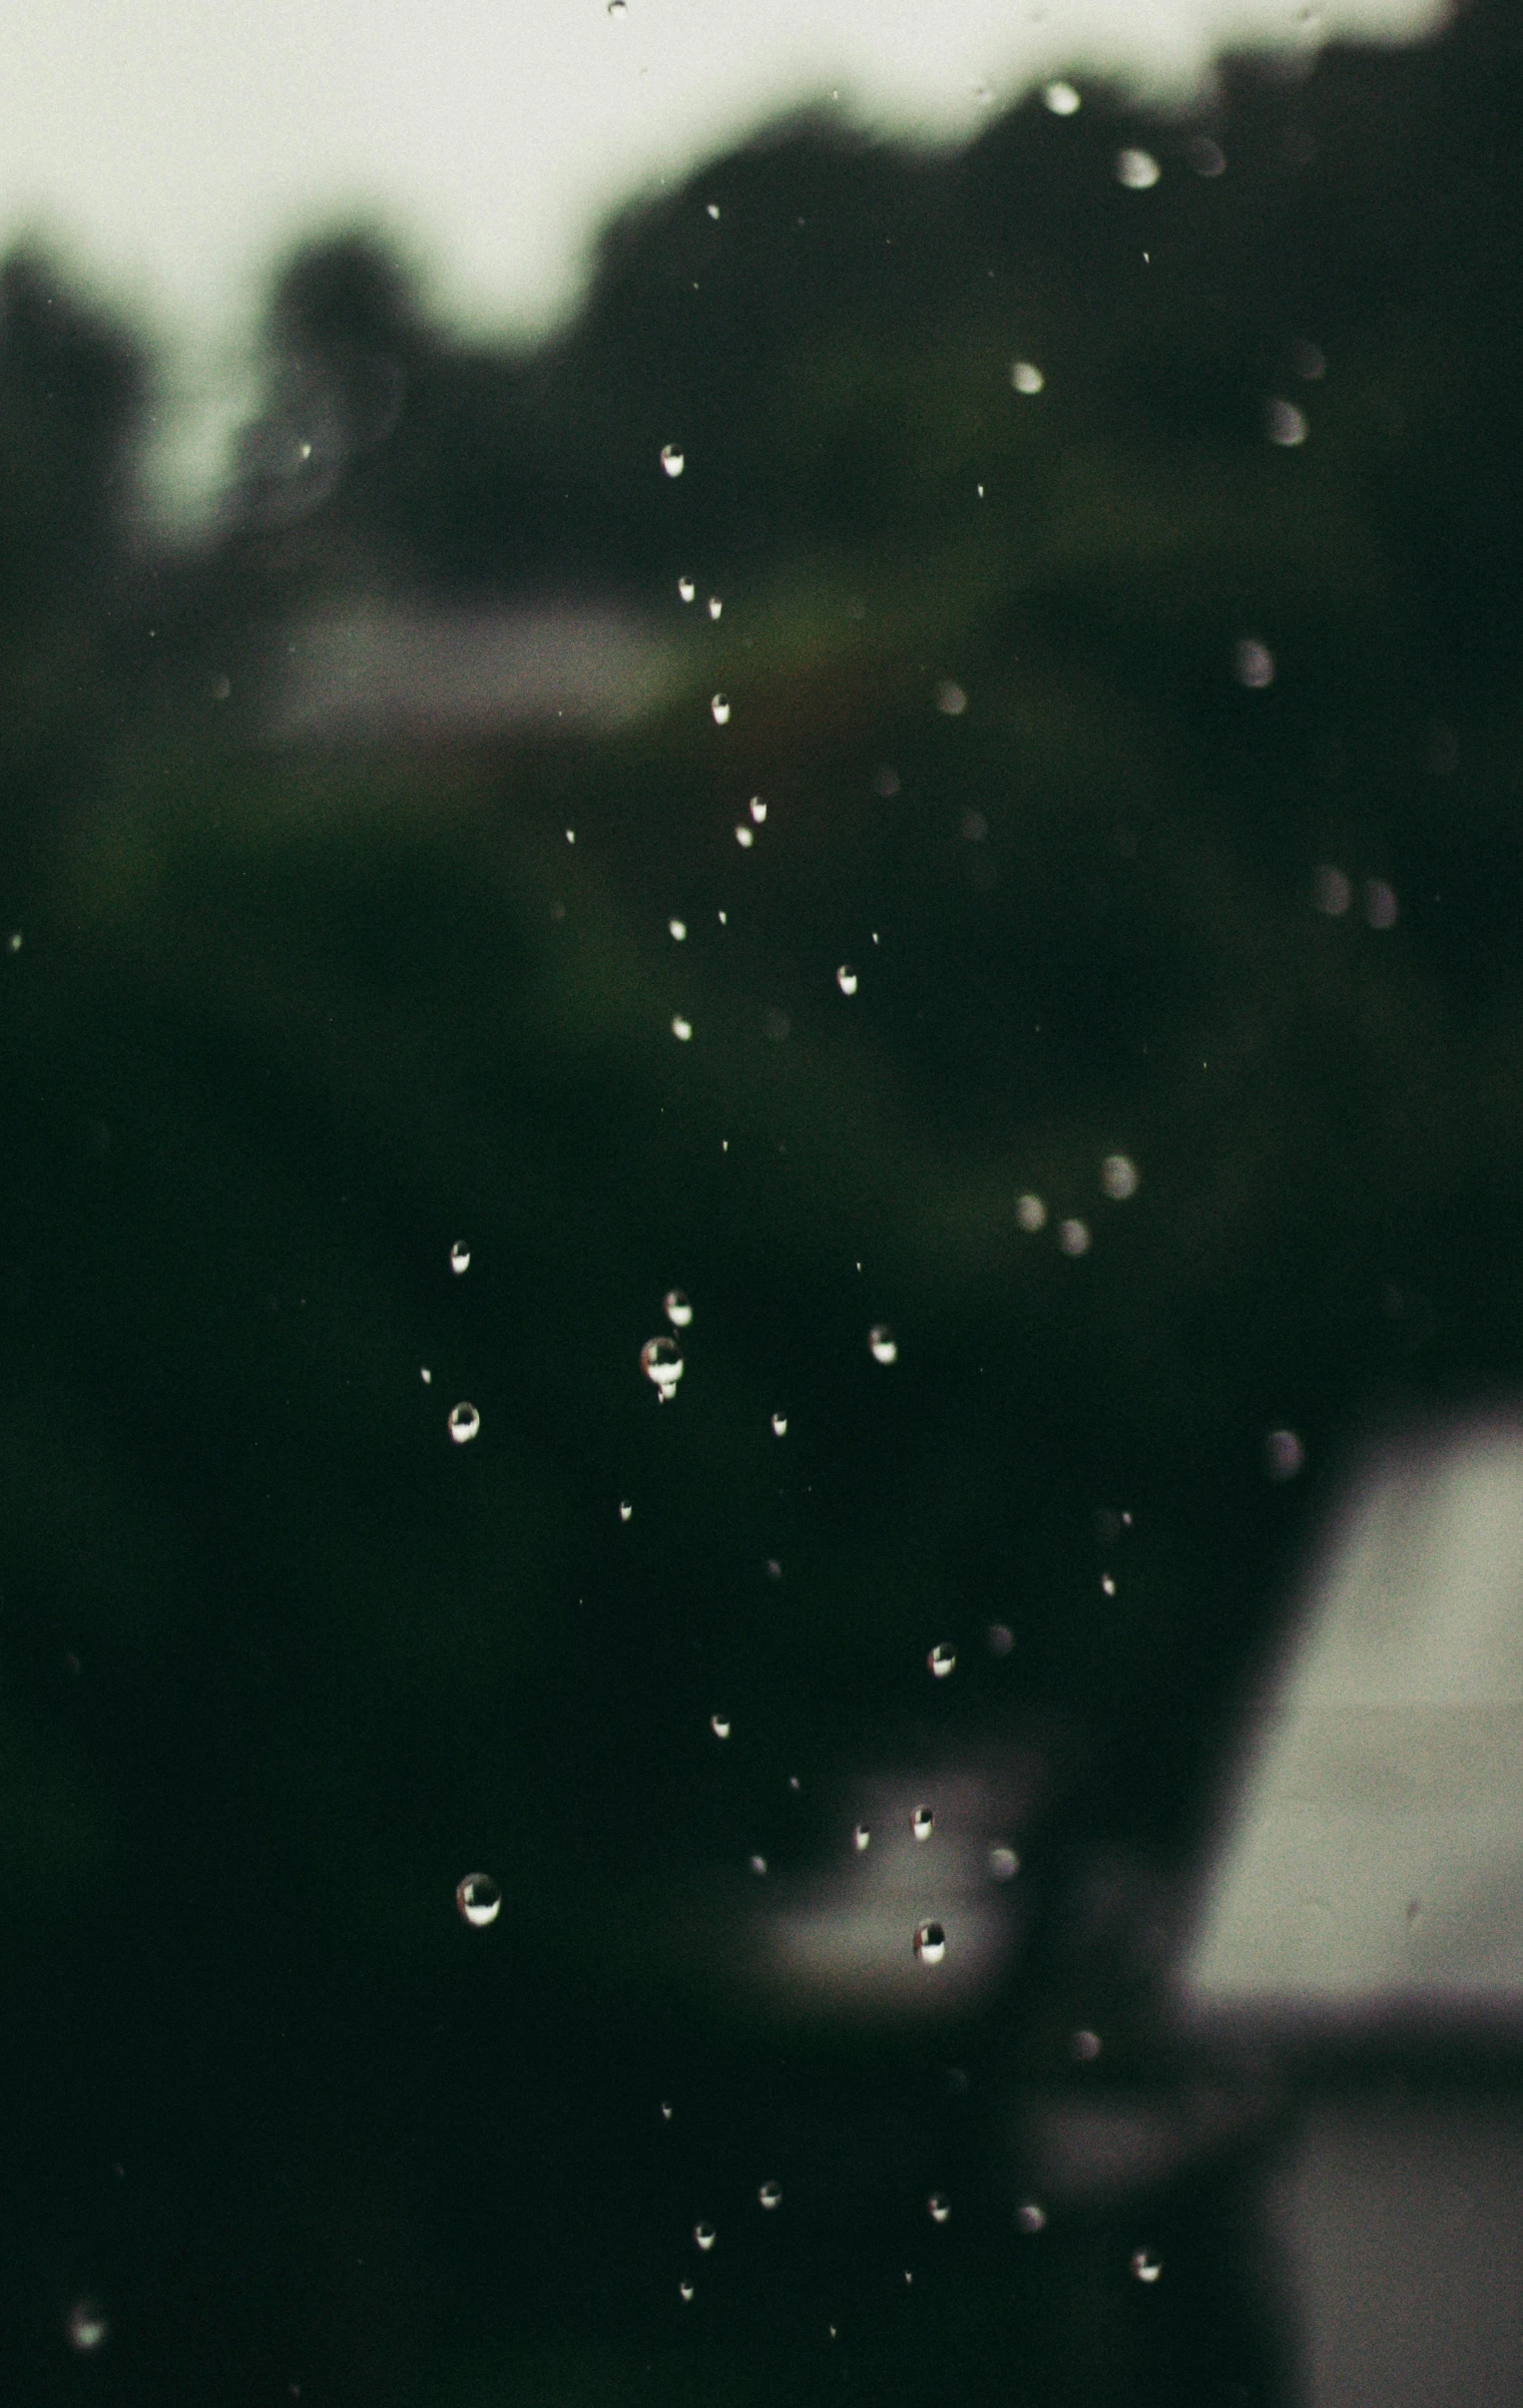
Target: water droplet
{"points": [[1255, 665], [671, 460], [719, 705], [682, 1029], [1004, 1863], [1146, 2265], [686, 588], [861, 1839], [939, 2207], [793, 1782], [1029, 2217], [13, 941], [719, 1726], [464, 1422], [1207, 157], [930, 1943], [1119, 1177], [459, 1256], [1060, 98], [714, 209], [1284, 1454], [704, 2236], [1001, 1639], [662, 1366], [882, 1345], [922, 1822], [1138, 170], [426, 1376], [885, 785], [1107, 1584], [677, 1308], [1284, 424], [678, 932], [1084, 2046], [666, 2110], [625, 1510], [779, 1425], [1331, 891], [746, 837], [714, 605], [1380, 905], [571, 835], [941, 1661], [87, 2325], [951, 699], [1309, 361], [479, 1900], [1031, 1212], [1026, 376], [1074, 1238], [685, 2290], [617, 8], [846, 979], [222, 688], [758, 1866], [773, 1569]]}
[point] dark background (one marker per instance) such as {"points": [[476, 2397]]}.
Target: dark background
{"points": [[278, 1664]]}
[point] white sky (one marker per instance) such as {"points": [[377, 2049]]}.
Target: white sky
{"points": [[171, 148]]}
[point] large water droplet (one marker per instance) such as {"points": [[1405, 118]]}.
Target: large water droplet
{"points": [[1074, 1238], [666, 2110], [479, 1900], [1060, 98], [941, 1661], [771, 2195], [1031, 1212], [1026, 376], [662, 1366], [922, 1822], [719, 705], [883, 1344], [87, 2325], [746, 837], [1138, 170], [682, 1029], [464, 1422], [677, 1308], [1284, 424], [758, 1866], [714, 605], [459, 1256], [671, 460], [625, 1510], [930, 1943], [1118, 1177], [1029, 2217], [686, 588], [719, 1726], [951, 699], [938, 2207], [1084, 2046], [678, 932], [1147, 2265], [846, 979], [1255, 664], [779, 1425], [1004, 1863], [685, 2290], [704, 2236], [757, 809], [861, 1839]]}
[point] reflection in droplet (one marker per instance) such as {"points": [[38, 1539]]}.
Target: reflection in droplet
{"points": [[1060, 98], [1107, 1584], [1004, 1863], [1074, 1238], [87, 2325], [677, 1308], [704, 2236], [479, 1900], [686, 588], [1331, 891], [1001, 1639], [1029, 2217], [714, 605], [719, 1726], [459, 1256], [1146, 2265], [464, 1422], [677, 930], [1380, 906], [746, 837], [922, 1822], [779, 1425], [426, 1376], [861, 1839], [1026, 376], [930, 1943], [1255, 664], [714, 209], [1284, 424], [757, 809], [625, 1510], [685, 2290], [758, 1866], [1118, 1177], [662, 1366], [951, 699], [771, 2195], [1284, 1454], [1084, 2046], [1138, 170], [882, 1345], [941, 1661], [682, 1029], [846, 979], [719, 705], [939, 2207], [1031, 1212], [671, 460]]}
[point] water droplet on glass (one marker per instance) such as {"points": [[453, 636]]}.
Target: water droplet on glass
{"points": [[1309, 361], [941, 1661], [885, 785], [426, 1376], [87, 2325], [771, 2195], [1029, 2217], [671, 460], [779, 1425], [13, 941], [938, 2207], [714, 605], [704, 2236], [746, 837], [685, 2290], [922, 1822], [1084, 2046], [1284, 424], [1026, 376], [677, 931], [459, 1256], [846, 979], [1004, 1863], [1118, 1177], [1331, 891], [1255, 665], [930, 1943], [758, 1866], [757, 809], [1207, 157], [1001, 1639], [682, 1029], [686, 588], [479, 1900], [1284, 1454], [662, 1366], [1380, 906], [719, 705], [1107, 1584], [719, 1726], [464, 1422], [714, 209], [861, 1839], [677, 1308], [1074, 1238], [1031, 1212], [1060, 98], [1138, 170], [625, 1510], [1146, 2265], [882, 1345], [951, 699], [666, 2110]]}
